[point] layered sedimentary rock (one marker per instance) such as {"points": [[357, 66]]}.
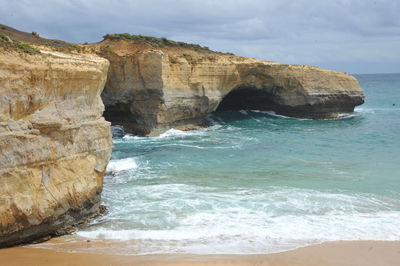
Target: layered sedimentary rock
{"points": [[151, 90], [54, 142]]}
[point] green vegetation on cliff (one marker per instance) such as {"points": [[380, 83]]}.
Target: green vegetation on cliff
{"points": [[7, 42], [153, 41], [4, 38], [27, 48], [22, 39]]}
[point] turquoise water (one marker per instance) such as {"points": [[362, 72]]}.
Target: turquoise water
{"points": [[255, 182]]}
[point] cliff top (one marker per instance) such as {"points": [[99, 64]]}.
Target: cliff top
{"points": [[125, 44], [154, 41], [116, 45], [34, 38], [13, 39], [120, 44]]}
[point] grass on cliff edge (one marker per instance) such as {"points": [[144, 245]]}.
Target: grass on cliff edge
{"points": [[34, 38], [155, 42], [24, 47]]}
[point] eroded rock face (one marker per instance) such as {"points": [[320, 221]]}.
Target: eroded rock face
{"points": [[54, 142], [151, 90]]}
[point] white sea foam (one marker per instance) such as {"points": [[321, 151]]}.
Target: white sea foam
{"points": [[175, 133], [210, 128], [130, 137], [345, 116], [248, 113], [372, 109], [272, 113], [217, 233], [183, 145], [121, 165], [205, 220]]}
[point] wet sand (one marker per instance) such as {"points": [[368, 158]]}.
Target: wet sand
{"points": [[341, 253]]}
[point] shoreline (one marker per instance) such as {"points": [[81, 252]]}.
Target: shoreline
{"points": [[365, 253]]}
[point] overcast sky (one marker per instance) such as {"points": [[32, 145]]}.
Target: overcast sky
{"points": [[355, 36]]}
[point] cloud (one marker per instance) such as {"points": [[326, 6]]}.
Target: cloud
{"points": [[347, 35]]}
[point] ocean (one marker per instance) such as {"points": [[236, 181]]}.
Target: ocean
{"points": [[256, 182]]}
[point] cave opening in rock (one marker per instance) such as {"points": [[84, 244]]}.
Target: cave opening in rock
{"points": [[119, 114], [247, 98], [116, 113]]}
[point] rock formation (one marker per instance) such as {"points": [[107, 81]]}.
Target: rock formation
{"points": [[54, 142], [150, 90]]}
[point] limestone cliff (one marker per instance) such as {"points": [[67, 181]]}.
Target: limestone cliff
{"points": [[54, 142], [150, 90]]}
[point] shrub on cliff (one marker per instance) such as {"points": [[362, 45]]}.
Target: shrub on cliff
{"points": [[27, 48], [152, 41], [109, 49], [5, 38]]}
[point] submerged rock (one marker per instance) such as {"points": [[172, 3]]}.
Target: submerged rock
{"points": [[54, 142], [150, 90]]}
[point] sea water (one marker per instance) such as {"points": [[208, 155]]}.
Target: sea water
{"points": [[256, 182]]}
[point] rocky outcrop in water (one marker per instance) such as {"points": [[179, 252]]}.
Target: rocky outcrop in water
{"points": [[54, 142], [150, 90]]}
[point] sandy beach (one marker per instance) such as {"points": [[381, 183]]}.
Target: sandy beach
{"points": [[341, 253]]}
